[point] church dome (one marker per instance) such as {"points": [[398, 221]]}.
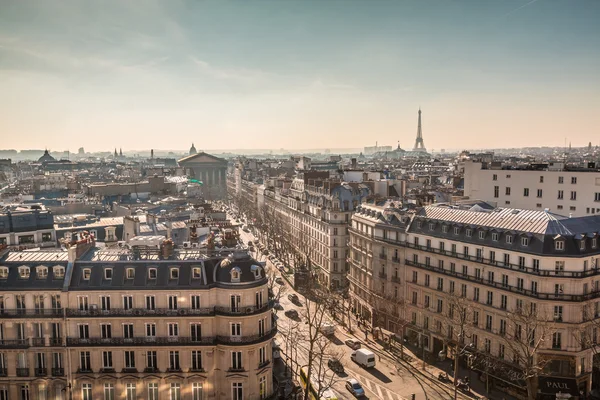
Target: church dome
{"points": [[193, 150], [46, 157]]}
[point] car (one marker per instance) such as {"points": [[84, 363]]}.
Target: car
{"points": [[355, 388], [250, 243], [279, 280], [293, 297], [353, 344], [335, 365], [256, 241], [293, 314], [265, 252], [281, 268]]}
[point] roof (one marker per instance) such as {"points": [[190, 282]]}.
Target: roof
{"points": [[201, 158]]}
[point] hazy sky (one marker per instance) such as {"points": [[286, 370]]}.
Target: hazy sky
{"points": [[298, 74]]}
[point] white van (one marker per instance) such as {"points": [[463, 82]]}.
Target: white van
{"points": [[363, 357]]}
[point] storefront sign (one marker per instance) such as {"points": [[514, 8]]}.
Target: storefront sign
{"points": [[552, 385]]}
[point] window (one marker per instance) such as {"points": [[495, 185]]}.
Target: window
{"points": [[496, 191], [481, 234], [173, 329], [153, 391], [560, 195], [561, 179], [444, 228], [235, 274], [86, 391], [526, 192], [521, 262], [129, 359], [559, 267], [175, 391], [196, 332], [495, 236], [130, 274], [150, 302], [596, 196], [84, 361], [59, 272], [108, 273], [196, 273], [488, 322], [174, 361], [84, 331], [196, 360], [427, 277], [558, 313], [536, 264], [152, 273], [582, 245], [524, 241], [469, 232], [41, 272], [109, 391], [236, 361], [262, 356], [490, 298], [174, 273], [463, 290], [105, 303], [507, 191], [237, 391], [24, 272], [236, 329], [106, 331], [573, 180], [503, 301], [151, 360], [509, 239], [539, 193], [556, 340], [559, 245], [440, 305], [456, 230], [150, 329], [130, 391], [86, 273], [495, 177], [476, 294], [107, 362], [196, 391], [573, 195], [128, 331]]}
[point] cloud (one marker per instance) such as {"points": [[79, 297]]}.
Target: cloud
{"points": [[240, 75]]}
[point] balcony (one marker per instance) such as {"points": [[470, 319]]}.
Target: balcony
{"points": [[245, 340], [264, 364], [236, 369], [107, 370], [58, 372], [85, 371], [38, 342], [22, 372], [140, 312], [382, 256], [14, 344], [395, 279], [143, 341], [151, 370], [244, 310], [54, 342], [3, 372], [513, 289], [396, 260], [41, 371], [174, 369], [131, 370], [28, 313], [382, 275], [197, 370]]}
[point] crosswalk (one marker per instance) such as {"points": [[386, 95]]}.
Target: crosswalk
{"points": [[381, 392]]}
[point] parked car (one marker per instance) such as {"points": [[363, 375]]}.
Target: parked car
{"points": [[353, 344], [265, 252], [335, 365], [293, 297], [279, 280], [281, 268], [355, 388], [293, 314]]}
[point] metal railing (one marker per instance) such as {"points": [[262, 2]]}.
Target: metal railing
{"points": [[166, 312], [58, 371], [31, 313], [22, 371], [41, 371], [14, 343]]}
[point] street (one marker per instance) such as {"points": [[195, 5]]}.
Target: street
{"points": [[388, 380]]}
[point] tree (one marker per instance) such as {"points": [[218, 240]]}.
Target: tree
{"points": [[527, 335]]}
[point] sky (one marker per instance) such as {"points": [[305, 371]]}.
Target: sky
{"points": [[141, 74]]}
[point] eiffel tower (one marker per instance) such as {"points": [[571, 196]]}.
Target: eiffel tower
{"points": [[419, 145]]}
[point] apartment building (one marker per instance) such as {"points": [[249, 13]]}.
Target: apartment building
{"points": [[27, 226], [318, 213], [97, 324], [500, 261], [553, 186]]}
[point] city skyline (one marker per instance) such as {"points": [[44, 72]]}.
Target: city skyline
{"points": [[298, 75]]}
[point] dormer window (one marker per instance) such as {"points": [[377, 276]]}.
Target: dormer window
{"points": [[431, 226], [524, 241], [235, 274], [444, 228], [256, 270], [559, 245], [481, 234], [152, 273], [59, 272], [174, 273], [86, 273], [3, 272], [108, 273], [419, 224], [594, 243], [196, 273], [582, 245], [130, 273], [24, 272], [509, 239], [469, 233], [456, 230], [41, 272], [495, 236]]}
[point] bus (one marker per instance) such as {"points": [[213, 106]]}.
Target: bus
{"points": [[327, 394]]}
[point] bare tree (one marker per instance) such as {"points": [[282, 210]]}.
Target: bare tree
{"points": [[527, 335], [390, 312]]}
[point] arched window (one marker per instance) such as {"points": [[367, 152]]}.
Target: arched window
{"points": [[59, 272], [235, 274], [41, 272], [24, 272], [3, 272]]}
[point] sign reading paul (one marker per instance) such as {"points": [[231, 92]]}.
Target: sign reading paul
{"points": [[554, 385]]}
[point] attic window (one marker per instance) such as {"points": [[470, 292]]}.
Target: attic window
{"points": [[108, 273], [41, 272], [524, 241], [256, 271], [24, 272], [594, 243], [469, 233], [3, 272], [431, 226], [235, 274], [59, 272], [445, 228], [582, 245], [559, 245], [152, 273], [481, 234], [419, 223], [130, 274], [495, 236], [174, 273], [86, 273], [456, 230], [509, 239], [196, 273]]}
